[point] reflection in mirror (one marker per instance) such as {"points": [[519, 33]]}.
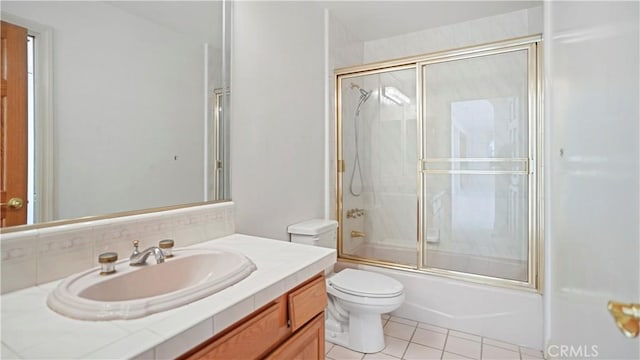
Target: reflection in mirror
{"points": [[124, 113]]}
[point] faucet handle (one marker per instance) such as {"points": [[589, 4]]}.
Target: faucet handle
{"points": [[107, 263], [135, 244], [167, 247]]}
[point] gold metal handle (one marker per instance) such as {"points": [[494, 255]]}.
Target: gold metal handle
{"points": [[356, 234], [14, 203], [626, 316]]}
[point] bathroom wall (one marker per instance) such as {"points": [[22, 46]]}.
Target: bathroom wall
{"points": [[278, 127], [102, 132]]}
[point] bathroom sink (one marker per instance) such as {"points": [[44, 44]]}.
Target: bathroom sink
{"points": [[137, 291]]}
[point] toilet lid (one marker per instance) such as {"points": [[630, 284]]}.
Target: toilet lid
{"points": [[365, 283]]}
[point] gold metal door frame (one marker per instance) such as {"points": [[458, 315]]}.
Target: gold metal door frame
{"points": [[533, 167]]}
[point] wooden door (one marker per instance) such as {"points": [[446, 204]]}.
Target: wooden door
{"points": [[13, 125]]}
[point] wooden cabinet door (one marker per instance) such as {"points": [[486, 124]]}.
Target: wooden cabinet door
{"points": [[306, 344], [252, 338]]}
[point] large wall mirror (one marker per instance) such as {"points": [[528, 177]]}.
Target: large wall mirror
{"points": [[127, 105]]}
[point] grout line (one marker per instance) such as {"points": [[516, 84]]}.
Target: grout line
{"points": [[444, 346]]}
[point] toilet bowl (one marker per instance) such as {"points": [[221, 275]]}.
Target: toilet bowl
{"points": [[356, 298]]}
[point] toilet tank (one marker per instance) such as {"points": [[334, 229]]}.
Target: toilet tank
{"points": [[317, 232]]}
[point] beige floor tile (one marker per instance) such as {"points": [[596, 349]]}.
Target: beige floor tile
{"points": [[501, 344], [327, 347], [452, 356], [419, 352], [530, 353], [490, 352], [386, 316], [394, 347], [340, 353], [465, 335], [403, 321], [433, 328], [464, 347], [379, 356], [429, 338], [384, 321], [397, 330]]}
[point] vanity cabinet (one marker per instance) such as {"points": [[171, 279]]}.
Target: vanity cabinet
{"points": [[290, 327]]}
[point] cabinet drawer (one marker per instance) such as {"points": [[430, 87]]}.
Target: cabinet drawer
{"points": [[307, 301], [306, 344], [253, 338]]}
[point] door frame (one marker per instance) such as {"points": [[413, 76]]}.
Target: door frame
{"points": [[44, 150]]}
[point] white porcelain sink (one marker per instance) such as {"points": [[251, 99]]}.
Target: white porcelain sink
{"points": [[137, 291]]}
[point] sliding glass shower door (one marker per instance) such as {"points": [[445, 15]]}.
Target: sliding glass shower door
{"points": [[437, 163], [380, 151], [476, 167]]}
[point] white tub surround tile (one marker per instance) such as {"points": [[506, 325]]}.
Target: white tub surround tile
{"points": [[31, 330], [35, 257]]}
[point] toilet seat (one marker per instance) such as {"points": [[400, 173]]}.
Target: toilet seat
{"points": [[365, 284]]}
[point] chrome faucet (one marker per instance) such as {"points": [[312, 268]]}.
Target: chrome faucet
{"points": [[138, 258]]}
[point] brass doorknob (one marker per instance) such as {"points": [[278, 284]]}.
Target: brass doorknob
{"points": [[14, 203], [626, 316]]}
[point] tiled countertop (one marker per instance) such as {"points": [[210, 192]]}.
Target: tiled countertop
{"points": [[31, 330]]}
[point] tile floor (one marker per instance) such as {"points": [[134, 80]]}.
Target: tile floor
{"points": [[412, 340]]}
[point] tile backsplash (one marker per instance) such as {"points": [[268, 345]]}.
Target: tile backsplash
{"points": [[37, 256]]}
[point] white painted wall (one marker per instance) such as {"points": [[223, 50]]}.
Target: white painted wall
{"points": [[113, 148], [277, 131], [593, 128]]}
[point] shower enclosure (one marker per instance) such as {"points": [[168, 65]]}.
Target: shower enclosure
{"points": [[439, 166]]}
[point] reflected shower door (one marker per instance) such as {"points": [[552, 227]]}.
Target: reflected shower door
{"points": [[378, 121], [476, 165]]}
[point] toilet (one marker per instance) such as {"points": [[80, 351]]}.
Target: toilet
{"points": [[356, 298]]}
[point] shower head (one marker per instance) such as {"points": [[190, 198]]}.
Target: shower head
{"points": [[364, 94]]}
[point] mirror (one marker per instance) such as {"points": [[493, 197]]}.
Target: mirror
{"points": [[126, 116]]}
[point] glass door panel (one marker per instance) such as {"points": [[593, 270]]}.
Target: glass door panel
{"points": [[378, 119], [476, 165]]}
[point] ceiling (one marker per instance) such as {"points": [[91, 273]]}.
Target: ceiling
{"points": [[370, 20]]}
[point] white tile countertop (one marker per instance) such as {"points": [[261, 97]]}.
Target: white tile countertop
{"points": [[31, 330]]}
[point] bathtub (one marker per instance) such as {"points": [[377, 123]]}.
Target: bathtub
{"points": [[514, 316]]}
